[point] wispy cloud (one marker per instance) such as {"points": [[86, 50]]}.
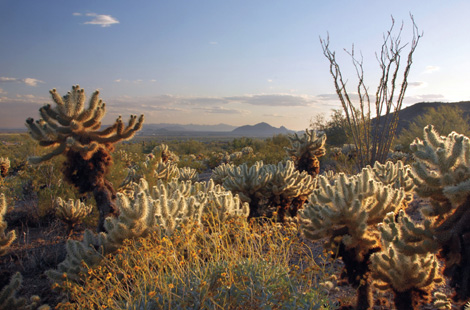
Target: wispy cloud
{"points": [[418, 84], [223, 110], [213, 43], [99, 19], [274, 100], [137, 81], [431, 69], [27, 81]]}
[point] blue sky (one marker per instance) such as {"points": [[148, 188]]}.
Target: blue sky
{"points": [[218, 61]]}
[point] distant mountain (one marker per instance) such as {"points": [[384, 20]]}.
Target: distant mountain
{"points": [[260, 130]]}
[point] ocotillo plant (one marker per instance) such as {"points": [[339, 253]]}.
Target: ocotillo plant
{"points": [[305, 151], [441, 172], [75, 132], [347, 213]]}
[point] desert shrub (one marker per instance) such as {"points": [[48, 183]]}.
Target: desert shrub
{"points": [[232, 266], [445, 119]]}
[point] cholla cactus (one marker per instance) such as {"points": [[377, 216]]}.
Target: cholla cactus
{"points": [[74, 131], [162, 151], [396, 174], [8, 300], [306, 150], [163, 209], [441, 172], [6, 239], [411, 277], [347, 213], [4, 166], [220, 173], [166, 170], [72, 212], [188, 174], [281, 187]]}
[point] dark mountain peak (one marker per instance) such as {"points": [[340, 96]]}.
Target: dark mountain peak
{"points": [[260, 130]]}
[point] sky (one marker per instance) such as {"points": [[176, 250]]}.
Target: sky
{"points": [[238, 62]]}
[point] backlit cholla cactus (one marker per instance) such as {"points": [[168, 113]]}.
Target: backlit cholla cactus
{"points": [[162, 209], [162, 151], [347, 213], [4, 166], [8, 299], [220, 173], [6, 239], [305, 151], [72, 212], [411, 277], [166, 170], [188, 174], [397, 175], [280, 187], [74, 131], [441, 172]]}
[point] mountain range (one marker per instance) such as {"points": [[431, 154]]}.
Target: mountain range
{"points": [[259, 130], [406, 116]]}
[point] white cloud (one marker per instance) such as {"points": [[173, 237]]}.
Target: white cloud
{"points": [[77, 14], [431, 69], [27, 81], [418, 84], [31, 82], [269, 81], [213, 43], [273, 100], [101, 20]]}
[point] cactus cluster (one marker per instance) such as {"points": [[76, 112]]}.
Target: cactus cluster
{"points": [[347, 212], [306, 149], [411, 277], [8, 299], [5, 238], [277, 188], [74, 131], [69, 126], [72, 212], [161, 209], [441, 173]]}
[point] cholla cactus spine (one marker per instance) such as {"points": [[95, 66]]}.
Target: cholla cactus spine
{"points": [[6, 239]]}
